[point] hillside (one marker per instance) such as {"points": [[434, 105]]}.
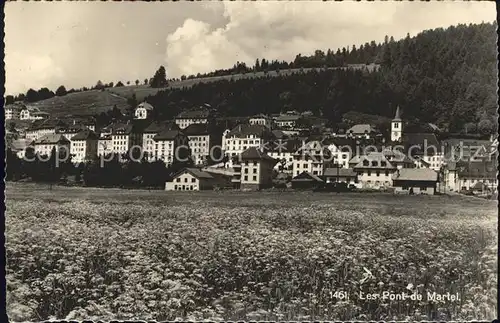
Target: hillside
{"points": [[443, 76], [82, 103], [143, 91]]}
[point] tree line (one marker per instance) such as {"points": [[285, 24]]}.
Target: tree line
{"points": [[442, 76], [157, 81], [118, 171]]}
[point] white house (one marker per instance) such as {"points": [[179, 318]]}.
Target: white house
{"points": [[244, 136], [261, 119], [201, 141], [32, 113], [45, 144], [13, 111], [143, 110], [171, 145], [201, 115], [148, 143], [194, 179], [361, 131], [342, 149], [312, 157], [253, 170], [374, 171], [283, 151], [287, 121], [84, 146]]}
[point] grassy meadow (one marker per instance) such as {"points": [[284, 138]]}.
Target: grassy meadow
{"points": [[79, 253]]}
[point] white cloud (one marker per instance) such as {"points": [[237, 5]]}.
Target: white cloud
{"points": [[280, 30], [76, 44]]}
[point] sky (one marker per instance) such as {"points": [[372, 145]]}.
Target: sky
{"points": [[75, 44]]}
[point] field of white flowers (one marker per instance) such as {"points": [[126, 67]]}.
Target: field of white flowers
{"points": [[116, 254]]}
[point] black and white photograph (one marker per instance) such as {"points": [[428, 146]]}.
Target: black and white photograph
{"points": [[250, 161]]}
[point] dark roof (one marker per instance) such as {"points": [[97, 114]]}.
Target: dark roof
{"points": [[85, 134], [419, 141], [342, 172], [158, 126], [145, 105], [253, 153], [167, 135], [361, 129], [313, 148], [47, 124], [202, 113], [286, 145], [279, 134], [247, 129], [374, 160], [51, 139], [288, 117], [306, 176], [477, 169], [416, 174], [196, 172], [19, 144], [121, 128], [197, 129], [346, 143], [260, 116]]}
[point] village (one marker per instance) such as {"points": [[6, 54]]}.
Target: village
{"points": [[288, 150]]}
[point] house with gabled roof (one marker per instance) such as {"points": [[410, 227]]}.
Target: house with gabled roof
{"points": [[306, 180], [312, 157], [342, 149], [415, 181], [202, 138], [148, 144], [261, 119], [19, 146], [45, 144], [283, 151], [374, 171], [143, 110], [201, 115], [83, 146], [426, 146], [171, 146], [253, 169], [244, 136], [340, 175], [361, 131], [194, 179]]}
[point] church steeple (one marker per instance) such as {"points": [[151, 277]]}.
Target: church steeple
{"points": [[397, 126], [397, 117]]}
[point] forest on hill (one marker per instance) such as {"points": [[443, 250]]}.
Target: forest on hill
{"points": [[444, 76]]}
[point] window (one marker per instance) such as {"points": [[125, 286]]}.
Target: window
{"points": [[185, 180], [386, 173], [245, 178], [369, 173], [193, 180], [191, 187], [255, 178], [344, 156], [246, 170], [383, 163], [378, 173], [255, 170], [175, 187], [423, 188], [374, 163], [178, 179], [365, 163]]}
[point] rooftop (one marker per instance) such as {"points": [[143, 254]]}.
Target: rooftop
{"points": [[416, 174], [51, 139], [167, 135]]}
